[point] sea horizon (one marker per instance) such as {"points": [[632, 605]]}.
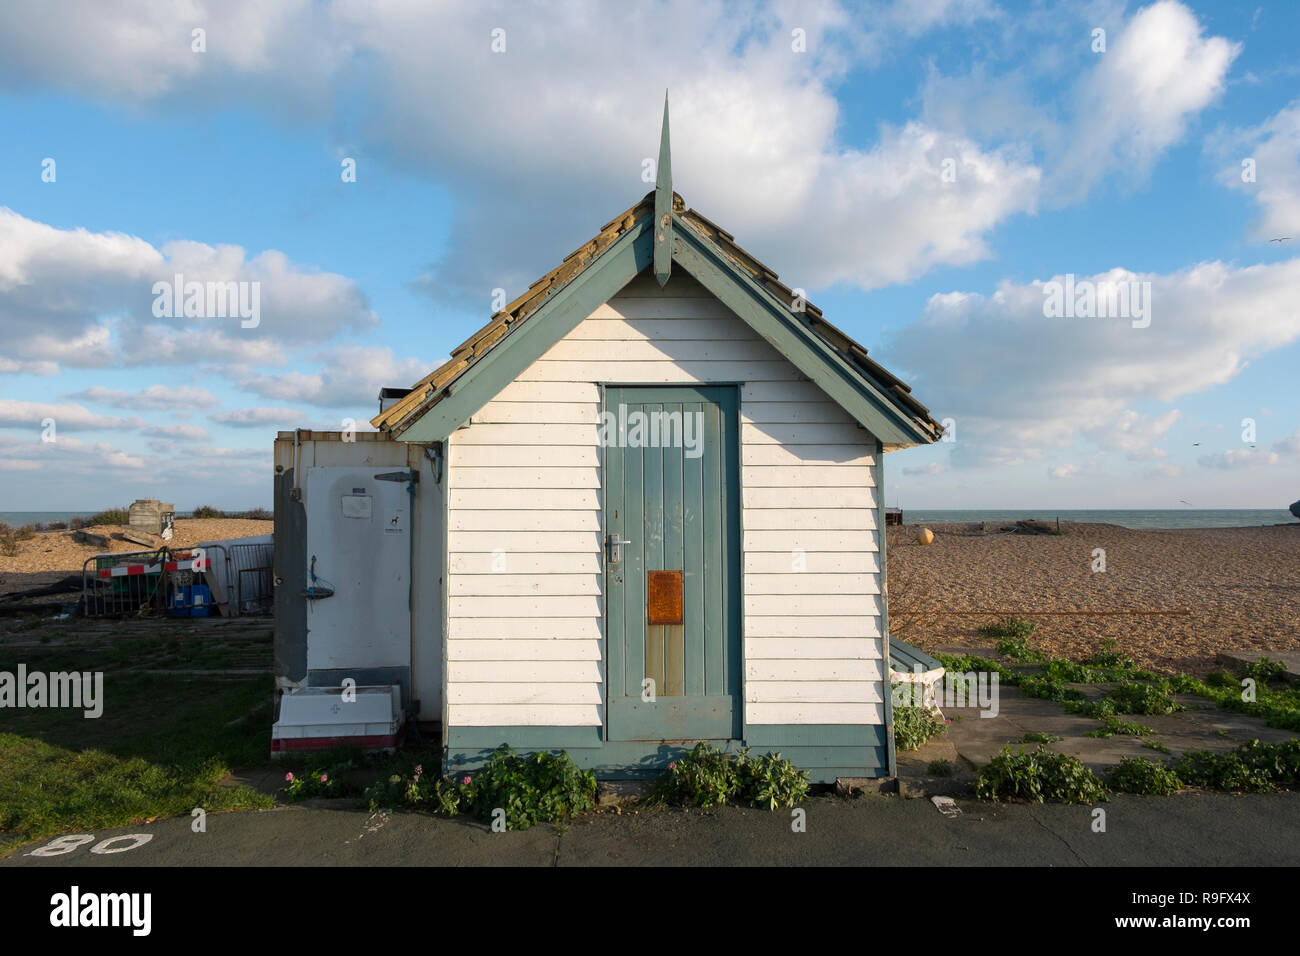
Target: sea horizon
{"points": [[1137, 518]]}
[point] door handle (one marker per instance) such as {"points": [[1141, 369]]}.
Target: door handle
{"points": [[612, 547]]}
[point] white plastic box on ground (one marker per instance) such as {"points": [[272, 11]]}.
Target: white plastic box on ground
{"points": [[319, 718]]}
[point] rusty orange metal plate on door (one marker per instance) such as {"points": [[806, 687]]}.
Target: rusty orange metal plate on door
{"points": [[663, 597]]}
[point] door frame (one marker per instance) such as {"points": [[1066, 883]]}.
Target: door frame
{"points": [[721, 717]]}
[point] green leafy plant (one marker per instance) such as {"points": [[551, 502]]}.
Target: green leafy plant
{"points": [[1010, 627], [312, 783], [1012, 635], [913, 726], [1254, 767], [1040, 738], [1145, 777], [939, 768], [1049, 689], [207, 511], [1112, 726], [1131, 697], [705, 777], [1155, 745], [1264, 670], [770, 781], [1108, 656], [1038, 775], [539, 788]]}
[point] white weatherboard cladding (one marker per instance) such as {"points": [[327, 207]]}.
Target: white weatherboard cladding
{"points": [[525, 580]]}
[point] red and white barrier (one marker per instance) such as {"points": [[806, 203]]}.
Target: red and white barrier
{"points": [[197, 562]]}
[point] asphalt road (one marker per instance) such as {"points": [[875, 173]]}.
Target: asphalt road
{"points": [[874, 830]]}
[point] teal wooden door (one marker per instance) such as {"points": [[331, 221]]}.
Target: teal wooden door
{"points": [[672, 480]]}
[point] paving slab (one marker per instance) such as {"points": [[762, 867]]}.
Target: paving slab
{"points": [[1236, 661], [1202, 726]]}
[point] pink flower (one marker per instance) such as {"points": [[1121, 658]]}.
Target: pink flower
{"points": [[288, 777], [672, 765], [324, 778], [465, 782]]}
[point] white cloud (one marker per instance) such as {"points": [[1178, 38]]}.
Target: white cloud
{"points": [[1163, 470], [349, 376], [1289, 445], [153, 398], [85, 299], [67, 416], [1274, 146], [176, 432], [933, 468], [750, 118], [1064, 471], [1019, 383], [257, 417], [1238, 458], [1134, 434], [1158, 73], [1124, 108]]}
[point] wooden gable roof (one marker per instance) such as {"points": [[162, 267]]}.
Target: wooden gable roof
{"points": [[911, 418]]}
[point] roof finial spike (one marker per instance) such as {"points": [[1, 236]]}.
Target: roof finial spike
{"points": [[663, 223]]}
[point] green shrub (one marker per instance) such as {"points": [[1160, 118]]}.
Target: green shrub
{"points": [[939, 768], [1048, 689], [207, 511], [1018, 649], [1146, 777], [1112, 725], [1011, 627], [913, 726], [1108, 656], [770, 781], [1012, 635], [1038, 775], [1254, 767], [539, 788], [1136, 698], [1131, 698], [707, 777], [1263, 670], [968, 663], [113, 516], [1040, 738]]}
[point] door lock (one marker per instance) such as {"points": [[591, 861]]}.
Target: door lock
{"points": [[613, 547]]}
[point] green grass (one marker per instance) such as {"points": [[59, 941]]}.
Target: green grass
{"points": [[162, 746]]}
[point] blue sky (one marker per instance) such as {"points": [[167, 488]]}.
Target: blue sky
{"points": [[921, 169]]}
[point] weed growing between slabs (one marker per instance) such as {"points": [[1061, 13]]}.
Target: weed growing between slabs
{"points": [[1141, 691], [1044, 775]]}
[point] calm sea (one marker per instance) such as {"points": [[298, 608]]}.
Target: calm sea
{"points": [[18, 518], [1186, 518]]}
